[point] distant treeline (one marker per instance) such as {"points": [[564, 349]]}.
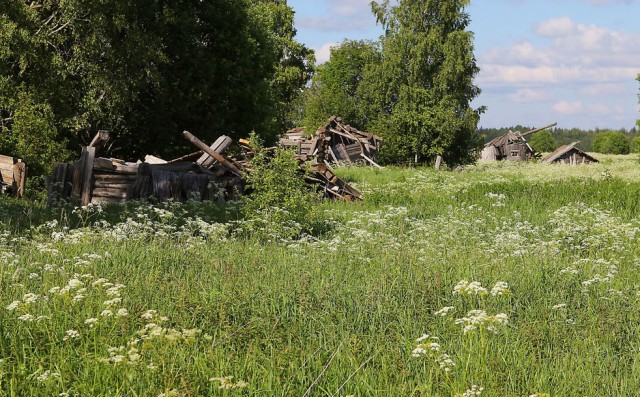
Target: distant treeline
{"points": [[562, 136]]}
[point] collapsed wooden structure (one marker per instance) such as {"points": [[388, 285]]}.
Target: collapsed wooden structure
{"points": [[203, 175], [569, 154], [13, 176], [511, 146], [334, 143]]}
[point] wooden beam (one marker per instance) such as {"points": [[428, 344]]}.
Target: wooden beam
{"points": [[201, 145], [87, 175]]}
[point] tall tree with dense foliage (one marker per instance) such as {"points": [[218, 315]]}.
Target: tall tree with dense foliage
{"points": [[145, 70], [543, 141], [611, 142], [424, 85], [335, 89]]}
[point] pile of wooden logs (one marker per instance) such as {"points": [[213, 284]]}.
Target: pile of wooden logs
{"points": [[13, 176], [202, 175], [334, 143]]}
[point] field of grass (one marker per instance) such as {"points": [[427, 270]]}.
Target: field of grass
{"points": [[499, 280]]}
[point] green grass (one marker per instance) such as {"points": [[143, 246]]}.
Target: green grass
{"points": [[337, 314]]}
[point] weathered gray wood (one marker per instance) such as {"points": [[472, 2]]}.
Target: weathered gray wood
{"points": [[87, 176], [109, 192], [80, 165], [370, 161], [114, 178], [112, 185], [438, 162], [218, 146], [201, 145], [100, 140], [154, 160], [107, 200]]}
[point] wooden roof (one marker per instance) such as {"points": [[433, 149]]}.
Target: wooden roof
{"points": [[562, 150]]}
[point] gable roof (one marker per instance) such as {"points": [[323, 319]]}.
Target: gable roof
{"points": [[559, 152]]}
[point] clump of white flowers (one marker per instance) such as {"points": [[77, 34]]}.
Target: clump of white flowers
{"points": [[474, 391], [478, 319], [469, 288], [444, 311], [428, 347], [500, 289], [226, 383]]}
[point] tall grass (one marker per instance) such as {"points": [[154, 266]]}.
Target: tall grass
{"points": [[519, 280]]}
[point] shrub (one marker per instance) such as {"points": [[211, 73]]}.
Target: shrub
{"points": [[543, 142], [280, 204], [611, 142]]}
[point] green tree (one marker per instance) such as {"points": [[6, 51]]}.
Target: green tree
{"points": [[335, 89], [295, 66], [611, 142], [424, 85], [146, 70], [635, 145], [543, 141]]}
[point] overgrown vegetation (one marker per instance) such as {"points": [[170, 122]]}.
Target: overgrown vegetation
{"points": [[518, 279], [144, 70]]}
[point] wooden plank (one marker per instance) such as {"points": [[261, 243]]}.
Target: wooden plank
{"points": [[112, 185], [370, 161], [115, 178], [100, 140], [342, 153], [107, 200], [78, 172], [176, 167], [187, 157], [130, 169], [154, 160], [109, 192], [7, 160], [218, 146], [7, 176], [201, 145], [87, 176]]}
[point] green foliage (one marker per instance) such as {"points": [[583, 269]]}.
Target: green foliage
{"points": [[635, 145], [611, 142], [280, 203], [164, 302], [336, 87], [424, 86], [147, 70], [543, 142]]}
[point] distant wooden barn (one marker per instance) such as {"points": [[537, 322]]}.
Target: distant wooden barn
{"points": [[13, 174], [569, 154], [511, 146]]}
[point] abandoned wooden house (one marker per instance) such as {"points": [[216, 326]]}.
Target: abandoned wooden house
{"points": [[202, 175], [569, 154], [13, 175], [342, 143], [511, 147]]}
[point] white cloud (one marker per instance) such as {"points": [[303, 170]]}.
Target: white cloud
{"points": [[603, 89], [527, 95], [568, 108], [323, 54], [562, 26]]}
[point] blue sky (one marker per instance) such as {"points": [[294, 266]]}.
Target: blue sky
{"points": [[568, 61]]}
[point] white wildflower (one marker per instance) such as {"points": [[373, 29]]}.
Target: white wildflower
{"points": [[444, 311], [501, 288], [26, 317], [91, 322], [71, 334], [106, 313], [122, 312], [14, 305], [559, 306], [469, 288]]}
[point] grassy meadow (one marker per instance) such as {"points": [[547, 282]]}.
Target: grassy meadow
{"points": [[498, 280]]}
